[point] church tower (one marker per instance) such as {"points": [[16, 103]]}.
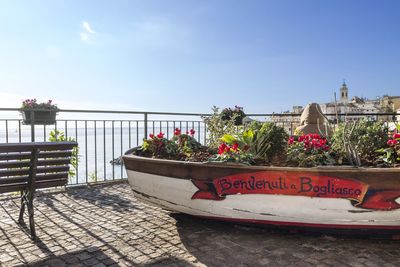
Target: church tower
{"points": [[344, 93]]}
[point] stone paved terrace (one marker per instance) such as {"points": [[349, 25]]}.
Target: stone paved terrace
{"points": [[107, 226]]}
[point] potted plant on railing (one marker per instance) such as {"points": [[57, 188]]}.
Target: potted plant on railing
{"points": [[38, 113]]}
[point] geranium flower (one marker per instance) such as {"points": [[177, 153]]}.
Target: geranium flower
{"points": [[192, 132], [291, 140], [235, 147], [151, 136], [392, 142], [177, 131], [222, 148], [396, 136], [160, 135]]}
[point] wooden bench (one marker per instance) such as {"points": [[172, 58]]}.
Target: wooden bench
{"points": [[26, 167]]}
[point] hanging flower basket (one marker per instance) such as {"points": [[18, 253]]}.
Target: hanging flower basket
{"points": [[38, 113]]}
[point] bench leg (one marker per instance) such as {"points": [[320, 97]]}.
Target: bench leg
{"points": [[31, 219], [22, 209], [27, 199]]}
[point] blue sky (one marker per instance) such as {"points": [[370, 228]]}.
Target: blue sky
{"points": [[189, 55]]}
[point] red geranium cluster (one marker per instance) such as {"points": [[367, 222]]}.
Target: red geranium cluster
{"points": [[178, 132], [224, 148], [395, 140], [159, 136], [311, 141]]}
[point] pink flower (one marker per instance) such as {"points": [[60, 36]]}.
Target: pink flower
{"points": [[192, 132]]}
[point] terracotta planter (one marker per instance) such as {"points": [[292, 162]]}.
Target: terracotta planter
{"points": [[40, 117], [345, 199]]}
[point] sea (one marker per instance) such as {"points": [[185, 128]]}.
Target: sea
{"points": [[100, 142]]}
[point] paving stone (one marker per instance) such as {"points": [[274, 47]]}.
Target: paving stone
{"points": [[106, 226]]}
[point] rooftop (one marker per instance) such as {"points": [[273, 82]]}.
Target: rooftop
{"points": [[107, 226]]}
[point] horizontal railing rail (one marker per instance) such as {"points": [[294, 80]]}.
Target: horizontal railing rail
{"points": [[103, 136]]}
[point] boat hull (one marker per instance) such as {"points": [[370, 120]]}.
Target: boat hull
{"points": [[352, 199]]}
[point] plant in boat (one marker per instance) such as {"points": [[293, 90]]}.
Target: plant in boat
{"points": [[157, 146], [391, 153], [58, 136], [309, 150], [236, 114], [217, 126], [269, 142], [359, 142], [235, 148], [179, 147]]}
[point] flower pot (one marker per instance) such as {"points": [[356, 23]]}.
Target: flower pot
{"points": [[337, 198], [40, 117]]}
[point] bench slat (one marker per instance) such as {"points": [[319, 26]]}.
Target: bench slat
{"points": [[27, 155], [39, 184], [16, 172], [25, 163], [44, 146], [40, 177]]}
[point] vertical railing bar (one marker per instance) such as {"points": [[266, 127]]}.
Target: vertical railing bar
{"points": [[77, 162], [66, 128], [198, 131], [180, 125], [205, 134], [55, 130], [95, 150], [160, 126], [44, 131], [145, 122], [137, 133], [104, 151], [130, 145], [6, 131], [187, 126], [112, 142], [173, 126], [86, 153], [154, 130], [167, 130], [19, 131], [121, 151]]}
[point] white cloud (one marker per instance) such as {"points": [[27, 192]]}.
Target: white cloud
{"points": [[87, 32], [86, 27]]}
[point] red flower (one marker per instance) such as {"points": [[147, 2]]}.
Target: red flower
{"points": [[222, 148], [291, 140], [192, 132], [177, 131], [160, 135], [302, 138], [396, 136], [392, 142], [151, 136], [235, 147]]}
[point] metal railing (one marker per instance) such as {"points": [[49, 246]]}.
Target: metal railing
{"points": [[104, 135]]}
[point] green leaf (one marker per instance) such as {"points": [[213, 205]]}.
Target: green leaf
{"points": [[248, 137], [229, 139]]}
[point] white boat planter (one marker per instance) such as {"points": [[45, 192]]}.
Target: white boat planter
{"points": [[327, 198]]}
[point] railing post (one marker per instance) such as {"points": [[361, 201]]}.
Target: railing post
{"points": [[145, 124], [32, 113]]}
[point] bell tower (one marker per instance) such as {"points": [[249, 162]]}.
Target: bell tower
{"points": [[344, 93]]}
